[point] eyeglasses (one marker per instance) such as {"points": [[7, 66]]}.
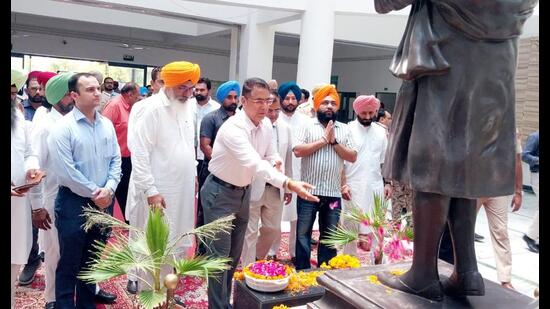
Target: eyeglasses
{"points": [[261, 101]]}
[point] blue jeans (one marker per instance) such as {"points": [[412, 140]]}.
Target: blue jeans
{"points": [[328, 220], [76, 251]]}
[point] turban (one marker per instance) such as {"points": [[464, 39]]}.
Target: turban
{"points": [[18, 78], [43, 77], [225, 88], [143, 91], [57, 87], [285, 88], [179, 72], [364, 102], [33, 74], [322, 93]]}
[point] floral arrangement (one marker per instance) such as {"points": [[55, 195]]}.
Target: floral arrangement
{"points": [[342, 261], [302, 280], [280, 307], [390, 238], [267, 270]]}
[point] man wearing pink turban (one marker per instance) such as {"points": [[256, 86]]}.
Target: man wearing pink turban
{"points": [[364, 176]]}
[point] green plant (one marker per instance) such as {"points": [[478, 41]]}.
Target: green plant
{"points": [[148, 251]]}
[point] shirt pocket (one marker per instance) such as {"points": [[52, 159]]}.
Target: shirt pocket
{"points": [[107, 148]]}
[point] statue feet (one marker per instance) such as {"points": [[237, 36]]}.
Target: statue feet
{"points": [[464, 284], [431, 291]]}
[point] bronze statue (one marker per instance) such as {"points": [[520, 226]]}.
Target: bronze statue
{"points": [[452, 138]]}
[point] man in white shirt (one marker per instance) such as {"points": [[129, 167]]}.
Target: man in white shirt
{"points": [[57, 94], [266, 201], [363, 177], [289, 95], [384, 120], [204, 104], [163, 153], [243, 150]]}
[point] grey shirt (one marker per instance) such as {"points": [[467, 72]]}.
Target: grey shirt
{"points": [[211, 123]]}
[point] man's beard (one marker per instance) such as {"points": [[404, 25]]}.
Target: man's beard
{"points": [[324, 118], [13, 114], [364, 122], [36, 99], [110, 88], [288, 108], [231, 108], [65, 109], [200, 97]]}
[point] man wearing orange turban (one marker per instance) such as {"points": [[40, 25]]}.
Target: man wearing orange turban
{"points": [[323, 144], [161, 138]]}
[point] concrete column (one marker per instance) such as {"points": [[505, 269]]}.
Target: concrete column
{"points": [[233, 54], [256, 50], [316, 43]]}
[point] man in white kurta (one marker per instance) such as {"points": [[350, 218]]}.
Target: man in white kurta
{"points": [[289, 95], [363, 177], [57, 90], [163, 150], [266, 201], [24, 163]]}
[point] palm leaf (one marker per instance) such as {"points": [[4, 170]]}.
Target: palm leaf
{"points": [[93, 217], [208, 232], [157, 232], [150, 299], [355, 214], [201, 266], [339, 237]]}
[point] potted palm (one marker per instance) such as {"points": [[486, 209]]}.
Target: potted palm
{"points": [[148, 251]]}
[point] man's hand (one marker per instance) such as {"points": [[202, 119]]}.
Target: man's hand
{"points": [[279, 166], [34, 176], [300, 188], [288, 198], [516, 201], [346, 192], [19, 193], [41, 219], [102, 197], [156, 202], [329, 132], [387, 191]]}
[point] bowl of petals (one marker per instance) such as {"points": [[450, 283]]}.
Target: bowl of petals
{"points": [[267, 276]]}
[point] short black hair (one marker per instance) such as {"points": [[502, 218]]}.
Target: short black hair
{"points": [[155, 74], [205, 80], [250, 83], [276, 94], [73, 81], [305, 93], [129, 87], [106, 78], [381, 113]]}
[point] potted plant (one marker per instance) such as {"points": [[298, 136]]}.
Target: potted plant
{"points": [[148, 251], [389, 239]]}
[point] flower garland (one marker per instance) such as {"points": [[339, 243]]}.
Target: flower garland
{"points": [[281, 307], [301, 281], [342, 261], [267, 270]]}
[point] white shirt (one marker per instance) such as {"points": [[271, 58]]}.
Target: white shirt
{"points": [[243, 151], [201, 111]]}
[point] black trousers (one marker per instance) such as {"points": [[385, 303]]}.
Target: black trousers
{"points": [[121, 192]]}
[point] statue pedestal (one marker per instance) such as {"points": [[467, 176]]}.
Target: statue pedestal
{"points": [[247, 298], [353, 289]]}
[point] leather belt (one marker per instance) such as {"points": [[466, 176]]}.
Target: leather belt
{"points": [[227, 184]]}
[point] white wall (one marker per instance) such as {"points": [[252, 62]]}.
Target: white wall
{"points": [[213, 66], [365, 77]]}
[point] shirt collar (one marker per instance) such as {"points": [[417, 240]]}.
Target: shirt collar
{"points": [[78, 115], [223, 112], [27, 103]]}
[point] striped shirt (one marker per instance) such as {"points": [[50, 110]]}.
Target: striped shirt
{"points": [[323, 169]]}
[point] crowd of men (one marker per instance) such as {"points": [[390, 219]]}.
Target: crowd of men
{"points": [[264, 152]]}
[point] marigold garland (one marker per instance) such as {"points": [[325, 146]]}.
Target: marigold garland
{"points": [[267, 270], [342, 261], [397, 272], [373, 279], [238, 275], [301, 281], [281, 307]]}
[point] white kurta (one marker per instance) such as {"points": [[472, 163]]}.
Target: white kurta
{"points": [[163, 162], [364, 175], [23, 159], [295, 122]]}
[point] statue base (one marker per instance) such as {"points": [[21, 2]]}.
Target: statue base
{"points": [[355, 289]]}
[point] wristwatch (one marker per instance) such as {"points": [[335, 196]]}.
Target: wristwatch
{"points": [[335, 142]]}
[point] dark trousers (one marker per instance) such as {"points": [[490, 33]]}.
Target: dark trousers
{"points": [[121, 192], [34, 257], [219, 201], [446, 252], [328, 219], [76, 250]]}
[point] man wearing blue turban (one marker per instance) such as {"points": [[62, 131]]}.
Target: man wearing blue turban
{"points": [[286, 89]]}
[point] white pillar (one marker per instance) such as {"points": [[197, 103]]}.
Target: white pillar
{"points": [[233, 54], [316, 43], [256, 50]]}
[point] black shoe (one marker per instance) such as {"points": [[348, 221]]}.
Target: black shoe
{"points": [[103, 297], [432, 291], [271, 258], [27, 275], [50, 305], [478, 237], [531, 244], [132, 287], [465, 284], [178, 301], [42, 256]]}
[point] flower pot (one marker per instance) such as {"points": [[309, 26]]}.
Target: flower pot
{"points": [[262, 285]]}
